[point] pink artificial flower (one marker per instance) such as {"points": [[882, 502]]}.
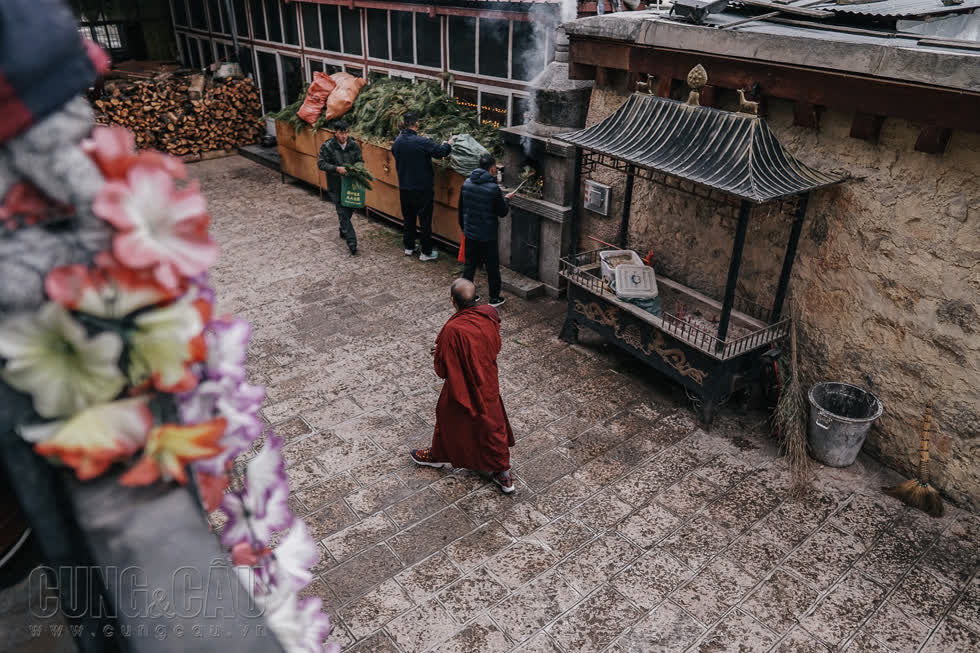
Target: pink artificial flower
{"points": [[211, 487], [99, 57], [109, 290], [243, 554], [161, 227]]}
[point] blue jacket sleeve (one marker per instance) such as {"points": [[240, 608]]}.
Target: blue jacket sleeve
{"points": [[500, 207], [435, 150]]}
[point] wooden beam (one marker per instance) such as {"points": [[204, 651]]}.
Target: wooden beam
{"points": [[932, 140], [806, 115], [664, 85], [709, 96], [866, 126], [581, 71], [933, 105]]}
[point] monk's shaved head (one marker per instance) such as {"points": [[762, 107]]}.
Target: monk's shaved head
{"points": [[463, 291]]}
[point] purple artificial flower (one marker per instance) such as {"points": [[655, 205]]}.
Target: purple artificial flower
{"points": [[294, 557], [227, 341], [204, 290], [238, 404], [260, 509]]}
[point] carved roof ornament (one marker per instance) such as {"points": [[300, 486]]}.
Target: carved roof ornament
{"points": [[747, 106], [696, 79], [647, 86]]}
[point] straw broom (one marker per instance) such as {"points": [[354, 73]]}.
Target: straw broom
{"points": [[790, 418], [917, 492]]}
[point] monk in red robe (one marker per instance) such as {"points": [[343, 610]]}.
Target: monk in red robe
{"points": [[472, 430]]}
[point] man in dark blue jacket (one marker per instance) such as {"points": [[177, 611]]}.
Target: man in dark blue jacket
{"points": [[413, 160], [481, 205]]}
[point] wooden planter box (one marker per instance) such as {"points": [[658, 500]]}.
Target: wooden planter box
{"points": [[299, 152]]}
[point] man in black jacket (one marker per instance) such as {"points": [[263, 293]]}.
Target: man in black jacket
{"points": [[335, 155], [481, 205], [413, 160]]}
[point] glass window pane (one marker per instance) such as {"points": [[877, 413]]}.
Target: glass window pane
{"points": [[290, 23], [269, 81], [217, 22], [331, 68], [462, 44], [258, 19], [247, 62], [207, 54], [195, 53], [522, 106], [401, 37], [330, 21], [350, 23], [355, 71], [292, 77], [180, 13], [493, 109], [241, 18], [273, 21], [198, 18], [493, 47], [527, 54], [377, 29], [428, 40], [316, 66], [466, 97], [375, 75], [311, 26]]}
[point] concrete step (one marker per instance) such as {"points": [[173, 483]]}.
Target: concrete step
{"points": [[518, 284]]}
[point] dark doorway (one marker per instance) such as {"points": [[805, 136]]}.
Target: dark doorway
{"points": [[525, 242]]}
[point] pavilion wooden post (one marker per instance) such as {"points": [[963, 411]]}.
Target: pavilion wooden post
{"points": [[744, 209], [624, 223], [794, 241]]}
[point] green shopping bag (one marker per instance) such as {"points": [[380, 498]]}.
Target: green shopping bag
{"points": [[352, 194]]}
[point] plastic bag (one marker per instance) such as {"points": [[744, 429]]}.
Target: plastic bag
{"points": [[342, 98], [465, 157], [316, 97]]}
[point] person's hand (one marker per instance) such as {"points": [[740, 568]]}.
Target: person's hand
{"points": [[509, 196], [452, 138], [341, 170]]}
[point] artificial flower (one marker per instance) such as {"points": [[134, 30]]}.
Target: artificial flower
{"points": [[165, 342], [95, 438], [211, 487], [109, 290], [99, 57], [244, 554], [294, 557], [238, 403], [160, 227], [170, 448], [227, 341], [50, 356], [300, 625], [25, 205], [260, 509], [113, 149]]}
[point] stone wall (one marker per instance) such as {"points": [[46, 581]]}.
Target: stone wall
{"points": [[887, 278]]}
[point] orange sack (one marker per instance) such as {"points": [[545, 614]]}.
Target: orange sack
{"points": [[342, 98], [316, 97]]}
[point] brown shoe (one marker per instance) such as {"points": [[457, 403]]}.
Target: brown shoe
{"points": [[424, 457], [504, 480]]}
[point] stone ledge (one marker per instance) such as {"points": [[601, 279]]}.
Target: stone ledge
{"points": [[518, 284], [547, 210]]}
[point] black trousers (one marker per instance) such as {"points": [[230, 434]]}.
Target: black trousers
{"points": [[344, 214], [483, 252], [417, 206]]}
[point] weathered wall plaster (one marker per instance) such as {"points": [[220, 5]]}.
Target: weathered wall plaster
{"points": [[887, 277]]}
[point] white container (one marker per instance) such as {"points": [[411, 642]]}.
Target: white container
{"points": [[607, 270], [635, 282]]}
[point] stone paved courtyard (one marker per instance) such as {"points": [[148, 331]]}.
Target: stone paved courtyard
{"points": [[632, 530]]}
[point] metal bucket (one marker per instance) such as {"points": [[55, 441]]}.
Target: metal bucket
{"points": [[840, 416]]}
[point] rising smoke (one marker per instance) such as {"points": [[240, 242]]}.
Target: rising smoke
{"points": [[544, 20]]}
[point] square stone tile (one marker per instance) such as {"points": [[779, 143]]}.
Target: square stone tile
{"points": [[330, 414], [598, 560], [532, 446], [600, 471], [727, 470], [362, 573], [305, 474], [540, 643], [742, 506], [648, 526], [714, 590], [591, 444], [825, 557], [800, 641], [688, 496], [479, 546], [415, 508], [629, 423], [756, 554], [889, 558], [967, 609], [952, 559], [791, 523], [458, 485], [354, 539], [570, 427], [544, 470], [602, 511], [292, 429], [562, 497], [374, 610], [518, 564], [595, 622], [329, 519], [318, 495], [377, 497], [736, 633], [430, 535], [307, 447], [523, 519], [668, 629], [893, 628], [346, 455], [376, 643], [417, 476], [649, 580], [865, 516], [533, 606], [428, 577], [373, 471], [563, 536], [843, 610], [473, 594], [422, 628], [865, 643], [482, 635], [923, 596], [488, 502], [698, 542], [780, 601], [952, 635]]}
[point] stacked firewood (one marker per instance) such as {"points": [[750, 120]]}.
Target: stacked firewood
{"points": [[184, 114]]}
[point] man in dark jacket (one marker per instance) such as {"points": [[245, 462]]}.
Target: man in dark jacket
{"points": [[413, 160], [481, 205], [335, 155]]}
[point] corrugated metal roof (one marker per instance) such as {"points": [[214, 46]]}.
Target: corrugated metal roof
{"points": [[732, 152], [899, 8]]}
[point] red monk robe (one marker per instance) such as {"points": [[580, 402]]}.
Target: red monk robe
{"points": [[472, 430]]}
